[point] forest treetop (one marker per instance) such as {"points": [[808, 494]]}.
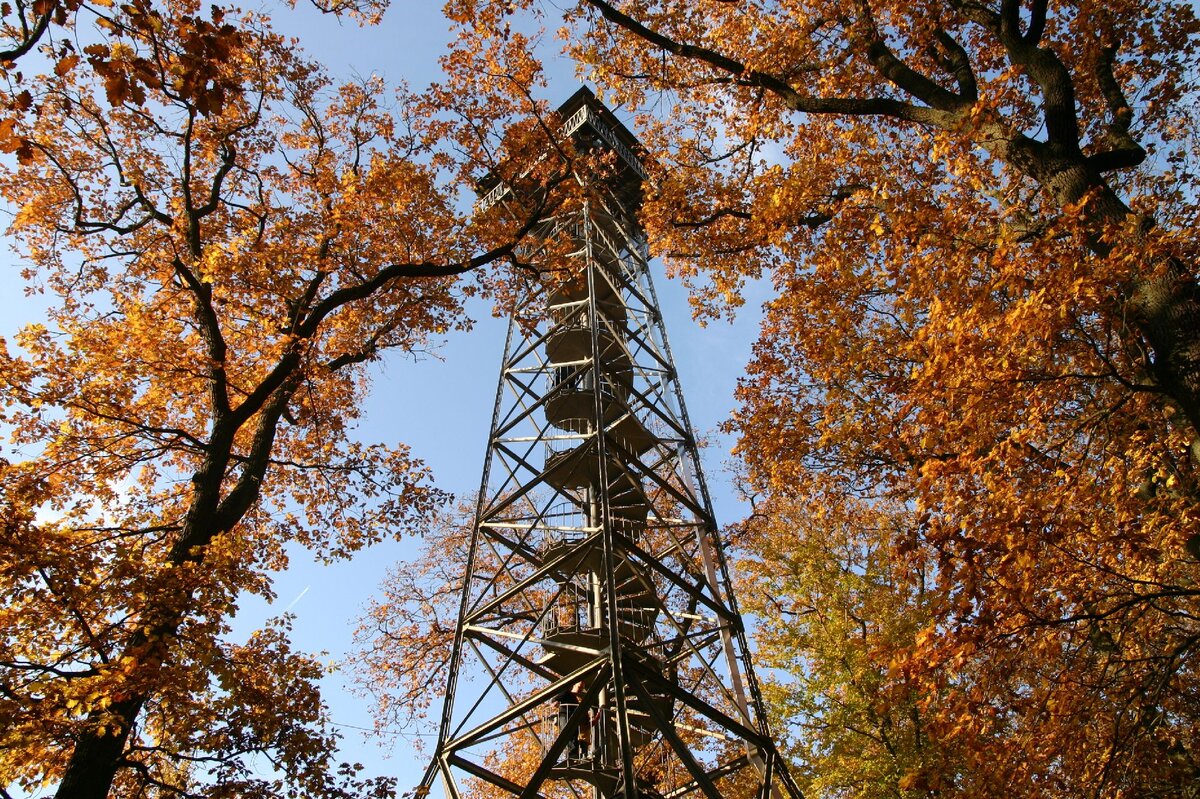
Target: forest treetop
{"points": [[970, 423]]}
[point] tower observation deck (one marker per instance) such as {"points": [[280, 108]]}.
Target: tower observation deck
{"points": [[599, 651]]}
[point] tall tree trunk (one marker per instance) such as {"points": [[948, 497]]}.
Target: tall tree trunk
{"points": [[1163, 304], [97, 756], [1166, 310]]}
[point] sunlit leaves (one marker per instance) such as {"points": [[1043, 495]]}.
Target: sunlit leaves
{"points": [[230, 241], [978, 221]]}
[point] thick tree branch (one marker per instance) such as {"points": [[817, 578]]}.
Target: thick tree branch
{"points": [[29, 38], [228, 160], [867, 106], [1048, 71], [307, 327], [904, 77], [246, 490], [1037, 22], [210, 330], [1123, 150], [958, 64], [194, 239], [428, 268]]}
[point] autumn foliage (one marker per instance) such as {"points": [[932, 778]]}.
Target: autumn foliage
{"points": [[972, 420], [971, 423], [228, 240]]}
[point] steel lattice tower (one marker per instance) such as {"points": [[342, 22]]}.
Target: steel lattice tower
{"points": [[595, 562]]}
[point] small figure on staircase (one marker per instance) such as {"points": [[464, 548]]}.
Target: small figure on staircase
{"points": [[568, 701]]}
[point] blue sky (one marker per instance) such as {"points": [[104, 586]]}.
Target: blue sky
{"points": [[440, 405]]}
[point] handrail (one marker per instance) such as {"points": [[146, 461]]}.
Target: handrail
{"points": [[584, 116]]}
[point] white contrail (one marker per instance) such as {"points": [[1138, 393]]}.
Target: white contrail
{"points": [[300, 596]]}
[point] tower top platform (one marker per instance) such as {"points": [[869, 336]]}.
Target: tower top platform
{"points": [[583, 113], [584, 118]]}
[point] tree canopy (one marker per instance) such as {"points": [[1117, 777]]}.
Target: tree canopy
{"points": [[971, 424], [229, 238]]}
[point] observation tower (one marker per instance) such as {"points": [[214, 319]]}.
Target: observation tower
{"points": [[599, 651]]}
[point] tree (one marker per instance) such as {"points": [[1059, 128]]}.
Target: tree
{"points": [[406, 635], [30, 32], [1014, 72], [230, 239], [978, 219], [834, 608]]}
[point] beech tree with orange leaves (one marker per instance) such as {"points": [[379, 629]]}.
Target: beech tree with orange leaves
{"points": [[31, 33], [979, 221], [225, 255]]}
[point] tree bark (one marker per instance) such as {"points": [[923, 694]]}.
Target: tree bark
{"points": [[1163, 303], [97, 758], [1166, 310]]}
